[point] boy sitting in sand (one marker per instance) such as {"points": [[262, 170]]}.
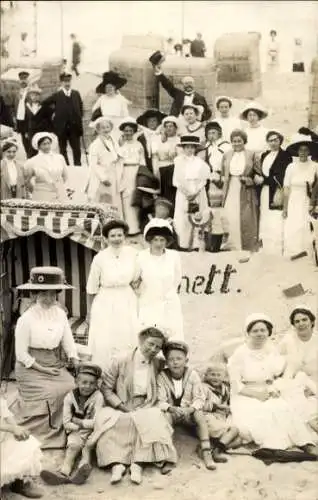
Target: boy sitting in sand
{"points": [[217, 410], [80, 408], [181, 396]]}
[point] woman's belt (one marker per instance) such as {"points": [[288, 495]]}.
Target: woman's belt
{"points": [[131, 164]]}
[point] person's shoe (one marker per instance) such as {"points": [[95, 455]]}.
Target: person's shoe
{"points": [[81, 474], [311, 449], [136, 474], [167, 468], [26, 489], [117, 473], [54, 478], [208, 460], [218, 456]]}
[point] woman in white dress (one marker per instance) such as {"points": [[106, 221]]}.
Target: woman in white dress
{"points": [[190, 123], [111, 102], [258, 411], [241, 175], [133, 157], [273, 164], [105, 167], [165, 149], [42, 379], [300, 348], [160, 275], [253, 113], [46, 173], [227, 122], [190, 178], [299, 180], [112, 303]]}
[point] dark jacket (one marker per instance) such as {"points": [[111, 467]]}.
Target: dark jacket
{"points": [[178, 98], [197, 48], [5, 114], [148, 158], [62, 118], [38, 122], [5, 191], [276, 173]]}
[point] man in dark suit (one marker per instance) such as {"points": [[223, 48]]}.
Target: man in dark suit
{"points": [[67, 119], [182, 97]]}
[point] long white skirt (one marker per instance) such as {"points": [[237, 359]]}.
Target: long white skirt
{"points": [[271, 226], [113, 325], [232, 214], [130, 213], [162, 312], [181, 217], [270, 424], [297, 236], [19, 459]]}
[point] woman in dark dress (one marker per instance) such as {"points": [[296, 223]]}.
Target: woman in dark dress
{"points": [[38, 117]]}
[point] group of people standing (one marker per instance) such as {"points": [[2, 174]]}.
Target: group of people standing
{"points": [[266, 392], [204, 168]]}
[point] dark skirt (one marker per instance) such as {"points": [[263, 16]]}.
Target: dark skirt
{"points": [[167, 190]]}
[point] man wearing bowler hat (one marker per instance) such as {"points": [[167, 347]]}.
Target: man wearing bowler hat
{"points": [[180, 97], [67, 121]]}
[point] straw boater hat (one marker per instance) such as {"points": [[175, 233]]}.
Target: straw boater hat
{"points": [[253, 106], [190, 140], [46, 278], [223, 98], [150, 113], [302, 140], [128, 121], [113, 78], [158, 227], [42, 135]]}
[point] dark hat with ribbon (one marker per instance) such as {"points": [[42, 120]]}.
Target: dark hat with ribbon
{"points": [[150, 113], [23, 75], [214, 125], [157, 58], [113, 78], [190, 140], [46, 278], [175, 345], [89, 369]]}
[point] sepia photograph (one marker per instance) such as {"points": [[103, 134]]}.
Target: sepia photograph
{"points": [[159, 250]]}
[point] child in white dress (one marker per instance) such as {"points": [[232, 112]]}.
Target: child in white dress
{"points": [[20, 456]]}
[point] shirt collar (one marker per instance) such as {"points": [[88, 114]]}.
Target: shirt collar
{"points": [[141, 358]]}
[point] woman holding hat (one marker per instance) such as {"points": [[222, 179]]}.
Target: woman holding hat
{"points": [[133, 156], [298, 182], [12, 173], [273, 164], [111, 102], [240, 175], [46, 173], [191, 125], [160, 274], [38, 116], [112, 302], [131, 431], [253, 113], [258, 410], [227, 122], [165, 149], [42, 379], [190, 178], [105, 166]]}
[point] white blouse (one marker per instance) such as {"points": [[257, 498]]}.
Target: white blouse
{"points": [[12, 172], [42, 328], [268, 162], [112, 106], [238, 163], [256, 138], [228, 125], [299, 173], [141, 374], [178, 387]]}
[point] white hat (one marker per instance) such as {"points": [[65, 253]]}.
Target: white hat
{"points": [[255, 317], [101, 119], [170, 119], [300, 140], [161, 225], [128, 121], [253, 106], [41, 135]]}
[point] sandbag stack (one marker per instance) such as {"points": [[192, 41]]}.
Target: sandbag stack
{"points": [[237, 56]]}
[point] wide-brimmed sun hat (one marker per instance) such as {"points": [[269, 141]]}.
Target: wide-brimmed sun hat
{"points": [[150, 113], [46, 278], [302, 140], [190, 140], [128, 121], [43, 135], [158, 227], [113, 78], [254, 106]]}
